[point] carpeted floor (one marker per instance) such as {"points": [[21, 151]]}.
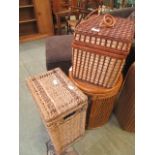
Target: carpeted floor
{"points": [[107, 140]]}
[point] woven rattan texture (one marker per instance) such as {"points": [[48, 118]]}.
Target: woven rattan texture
{"points": [[62, 105], [55, 93], [67, 132], [123, 29], [95, 68], [100, 105], [100, 110], [125, 107], [126, 117], [99, 53], [93, 90]]}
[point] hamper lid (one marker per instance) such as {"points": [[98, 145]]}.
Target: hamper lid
{"points": [[122, 30], [55, 93]]}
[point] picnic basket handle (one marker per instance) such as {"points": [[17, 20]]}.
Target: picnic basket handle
{"points": [[69, 115], [107, 21], [91, 13]]}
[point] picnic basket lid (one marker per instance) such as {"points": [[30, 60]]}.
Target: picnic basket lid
{"points": [[122, 30], [55, 94]]}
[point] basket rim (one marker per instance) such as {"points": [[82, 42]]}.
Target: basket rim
{"points": [[105, 51]]}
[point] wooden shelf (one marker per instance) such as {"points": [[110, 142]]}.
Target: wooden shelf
{"points": [[26, 14], [35, 19], [25, 2], [33, 37], [27, 21], [26, 6]]}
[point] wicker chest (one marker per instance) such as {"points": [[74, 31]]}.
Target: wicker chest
{"points": [[101, 101], [99, 50], [62, 106]]}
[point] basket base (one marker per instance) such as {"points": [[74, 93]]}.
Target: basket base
{"points": [[96, 127]]}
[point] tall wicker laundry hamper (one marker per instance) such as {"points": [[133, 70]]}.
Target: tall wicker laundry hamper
{"points": [[101, 101], [99, 50], [125, 107], [62, 106]]}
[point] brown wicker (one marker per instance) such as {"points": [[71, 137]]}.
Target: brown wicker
{"points": [[99, 51], [101, 101], [62, 106], [125, 107]]}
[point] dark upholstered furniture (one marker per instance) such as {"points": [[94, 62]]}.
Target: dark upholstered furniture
{"points": [[58, 48], [58, 52]]}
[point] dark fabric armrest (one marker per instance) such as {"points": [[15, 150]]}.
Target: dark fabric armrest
{"points": [[58, 52], [124, 13], [58, 48]]}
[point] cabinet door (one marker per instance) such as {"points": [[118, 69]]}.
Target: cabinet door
{"points": [[44, 16]]}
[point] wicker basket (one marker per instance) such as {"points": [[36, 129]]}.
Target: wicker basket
{"points": [[62, 106], [99, 51], [125, 107], [101, 101]]}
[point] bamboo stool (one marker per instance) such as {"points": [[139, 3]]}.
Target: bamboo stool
{"points": [[101, 101], [125, 107]]}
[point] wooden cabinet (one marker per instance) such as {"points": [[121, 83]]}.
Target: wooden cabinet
{"points": [[62, 5], [35, 20]]}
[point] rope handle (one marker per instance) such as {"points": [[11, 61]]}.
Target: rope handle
{"points": [[107, 21]]}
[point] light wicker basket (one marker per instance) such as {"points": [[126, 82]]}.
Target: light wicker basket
{"points": [[101, 101], [62, 106], [99, 52]]}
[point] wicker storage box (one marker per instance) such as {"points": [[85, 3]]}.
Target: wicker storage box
{"points": [[125, 107], [99, 51], [101, 101], [62, 106]]}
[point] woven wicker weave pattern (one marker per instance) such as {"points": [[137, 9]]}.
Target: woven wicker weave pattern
{"points": [[116, 40], [99, 53], [47, 87], [101, 101], [103, 43], [65, 133], [125, 107], [101, 109], [97, 69], [62, 106], [122, 31]]}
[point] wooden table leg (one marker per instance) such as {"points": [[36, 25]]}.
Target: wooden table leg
{"points": [[111, 4], [58, 24]]}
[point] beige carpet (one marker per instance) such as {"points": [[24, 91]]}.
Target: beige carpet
{"points": [[107, 140]]}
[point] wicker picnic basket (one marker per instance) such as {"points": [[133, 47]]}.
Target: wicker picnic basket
{"points": [[99, 49], [101, 101], [62, 106], [125, 107]]}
